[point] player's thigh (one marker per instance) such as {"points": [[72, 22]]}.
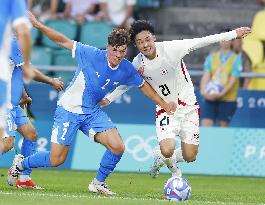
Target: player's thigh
{"points": [[190, 135], [101, 129], [111, 140], [226, 111]]}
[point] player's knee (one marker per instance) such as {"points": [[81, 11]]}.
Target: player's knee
{"points": [[57, 161], [191, 157], [167, 153], [33, 135], [8, 144], [118, 148]]}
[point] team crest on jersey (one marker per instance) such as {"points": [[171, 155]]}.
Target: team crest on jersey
{"points": [[141, 70], [164, 71]]}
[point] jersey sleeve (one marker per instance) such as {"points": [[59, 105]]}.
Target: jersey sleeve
{"points": [[115, 94], [180, 48], [134, 79], [237, 67], [16, 55], [84, 54], [19, 13]]}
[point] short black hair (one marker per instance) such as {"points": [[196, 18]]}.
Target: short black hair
{"points": [[119, 37], [139, 26]]}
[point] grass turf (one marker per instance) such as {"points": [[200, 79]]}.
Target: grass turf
{"points": [[70, 187]]}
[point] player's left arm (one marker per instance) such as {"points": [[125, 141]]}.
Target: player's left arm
{"points": [[193, 44], [56, 83], [170, 107]]}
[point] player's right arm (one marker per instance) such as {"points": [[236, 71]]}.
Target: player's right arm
{"points": [[53, 35]]}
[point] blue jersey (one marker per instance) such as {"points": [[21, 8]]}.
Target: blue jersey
{"points": [[11, 11], [17, 79], [94, 78]]}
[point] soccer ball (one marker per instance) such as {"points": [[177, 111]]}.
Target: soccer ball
{"points": [[213, 88], [177, 189]]}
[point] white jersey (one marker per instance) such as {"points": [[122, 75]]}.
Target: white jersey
{"points": [[167, 73]]}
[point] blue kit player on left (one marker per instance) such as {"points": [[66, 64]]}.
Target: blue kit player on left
{"points": [[12, 16], [17, 120], [98, 72]]}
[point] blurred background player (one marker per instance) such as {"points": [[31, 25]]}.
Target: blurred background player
{"points": [[162, 66], [17, 120], [119, 12], [12, 15], [219, 86], [98, 72]]}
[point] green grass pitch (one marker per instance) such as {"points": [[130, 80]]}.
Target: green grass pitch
{"points": [[70, 187]]}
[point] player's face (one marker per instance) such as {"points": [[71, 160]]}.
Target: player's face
{"points": [[145, 42], [116, 54]]}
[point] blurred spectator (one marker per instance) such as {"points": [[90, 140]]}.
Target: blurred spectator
{"points": [[246, 62], [44, 9], [119, 12], [81, 10], [261, 2], [219, 86]]}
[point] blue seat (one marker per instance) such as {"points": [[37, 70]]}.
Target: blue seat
{"points": [[96, 33], [34, 35], [68, 28], [41, 56], [63, 58]]}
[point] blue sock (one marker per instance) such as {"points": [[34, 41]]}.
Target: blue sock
{"points": [[39, 159], [28, 148], [107, 165]]}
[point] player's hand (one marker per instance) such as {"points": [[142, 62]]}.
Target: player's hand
{"points": [[104, 102], [170, 108], [242, 32], [33, 19], [57, 84], [25, 101], [28, 72]]}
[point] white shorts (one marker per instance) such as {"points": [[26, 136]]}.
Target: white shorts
{"points": [[182, 124]]}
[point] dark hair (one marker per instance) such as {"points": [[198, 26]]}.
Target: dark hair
{"points": [[139, 26], [119, 37]]}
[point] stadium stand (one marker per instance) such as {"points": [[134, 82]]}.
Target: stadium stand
{"points": [[95, 33]]}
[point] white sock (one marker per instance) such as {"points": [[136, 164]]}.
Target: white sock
{"points": [[179, 156], [24, 178]]}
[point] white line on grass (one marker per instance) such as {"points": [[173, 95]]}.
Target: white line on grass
{"points": [[117, 197]]}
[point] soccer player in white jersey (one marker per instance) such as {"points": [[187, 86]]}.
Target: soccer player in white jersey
{"points": [[12, 14], [98, 72], [162, 66]]}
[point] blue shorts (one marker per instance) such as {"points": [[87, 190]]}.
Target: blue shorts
{"points": [[66, 125], [218, 110], [15, 118]]}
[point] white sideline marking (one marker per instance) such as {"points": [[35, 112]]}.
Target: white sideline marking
{"points": [[117, 197]]}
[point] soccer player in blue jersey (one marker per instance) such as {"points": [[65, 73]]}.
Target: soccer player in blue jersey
{"points": [[16, 119], [98, 72], [12, 14]]}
